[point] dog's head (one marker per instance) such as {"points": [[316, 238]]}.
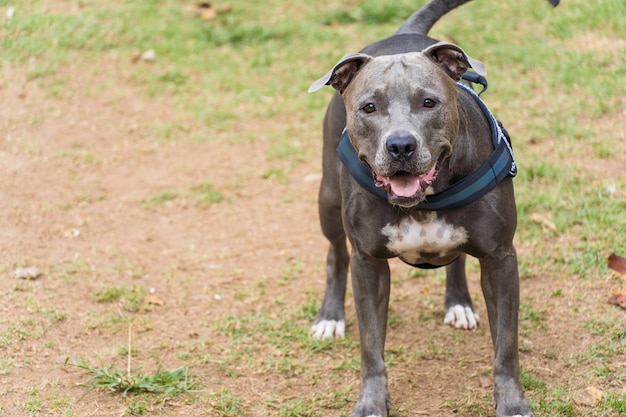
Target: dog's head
{"points": [[402, 114]]}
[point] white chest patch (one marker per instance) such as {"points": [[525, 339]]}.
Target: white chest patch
{"points": [[409, 238]]}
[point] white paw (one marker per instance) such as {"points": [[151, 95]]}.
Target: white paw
{"points": [[462, 318], [327, 329]]}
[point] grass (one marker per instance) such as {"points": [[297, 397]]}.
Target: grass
{"points": [[6, 365], [578, 205], [162, 381], [34, 402], [226, 404], [62, 405], [130, 299], [204, 193], [33, 326]]}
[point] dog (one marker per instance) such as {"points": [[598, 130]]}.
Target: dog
{"points": [[415, 167]]}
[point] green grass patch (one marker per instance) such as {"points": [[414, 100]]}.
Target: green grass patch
{"points": [[203, 193], [297, 408], [163, 197], [370, 12], [162, 381], [34, 403], [556, 403], [614, 403], [579, 207], [129, 298], [206, 193], [226, 404], [6, 365], [276, 174], [531, 382], [286, 332]]}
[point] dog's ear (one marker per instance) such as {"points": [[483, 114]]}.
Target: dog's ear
{"points": [[342, 73], [453, 60]]}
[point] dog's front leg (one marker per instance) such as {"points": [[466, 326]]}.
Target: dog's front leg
{"points": [[500, 284], [370, 285]]}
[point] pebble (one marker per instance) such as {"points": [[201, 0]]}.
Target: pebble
{"points": [[29, 273]]}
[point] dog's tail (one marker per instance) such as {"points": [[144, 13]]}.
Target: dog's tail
{"points": [[425, 18]]}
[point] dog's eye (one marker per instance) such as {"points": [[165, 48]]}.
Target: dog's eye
{"points": [[430, 103], [369, 108]]}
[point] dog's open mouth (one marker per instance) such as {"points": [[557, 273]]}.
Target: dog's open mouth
{"points": [[406, 187]]}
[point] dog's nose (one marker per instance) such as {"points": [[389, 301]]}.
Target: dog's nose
{"points": [[401, 148]]}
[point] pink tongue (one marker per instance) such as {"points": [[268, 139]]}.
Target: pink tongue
{"points": [[405, 186], [409, 185]]}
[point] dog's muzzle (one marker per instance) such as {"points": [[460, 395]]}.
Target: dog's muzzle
{"points": [[405, 189]]}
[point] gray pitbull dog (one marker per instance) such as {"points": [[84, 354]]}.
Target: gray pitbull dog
{"points": [[418, 132]]}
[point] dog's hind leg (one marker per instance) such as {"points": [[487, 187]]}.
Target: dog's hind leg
{"points": [[459, 310]]}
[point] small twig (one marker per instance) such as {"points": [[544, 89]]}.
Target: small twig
{"points": [[130, 346]]}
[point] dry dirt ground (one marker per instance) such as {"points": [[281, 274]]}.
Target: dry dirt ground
{"points": [[76, 173]]}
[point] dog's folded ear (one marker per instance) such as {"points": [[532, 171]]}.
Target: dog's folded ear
{"points": [[342, 73], [453, 60]]}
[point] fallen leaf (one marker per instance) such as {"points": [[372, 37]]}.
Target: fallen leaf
{"points": [[145, 56], [208, 11], [589, 397], [618, 299], [618, 264], [153, 299], [538, 218]]}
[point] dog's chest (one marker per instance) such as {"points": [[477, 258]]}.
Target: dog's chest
{"points": [[415, 241]]}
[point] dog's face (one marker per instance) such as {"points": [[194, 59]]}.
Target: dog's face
{"points": [[402, 115], [402, 124]]}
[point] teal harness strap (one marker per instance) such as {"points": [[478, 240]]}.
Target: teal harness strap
{"points": [[496, 168], [359, 171]]}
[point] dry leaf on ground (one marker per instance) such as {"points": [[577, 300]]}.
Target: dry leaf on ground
{"points": [[618, 299], [153, 299], [618, 264], [538, 218], [208, 11], [589, 397]]}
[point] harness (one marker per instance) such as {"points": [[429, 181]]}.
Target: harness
{"points": [[495, 169]]}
